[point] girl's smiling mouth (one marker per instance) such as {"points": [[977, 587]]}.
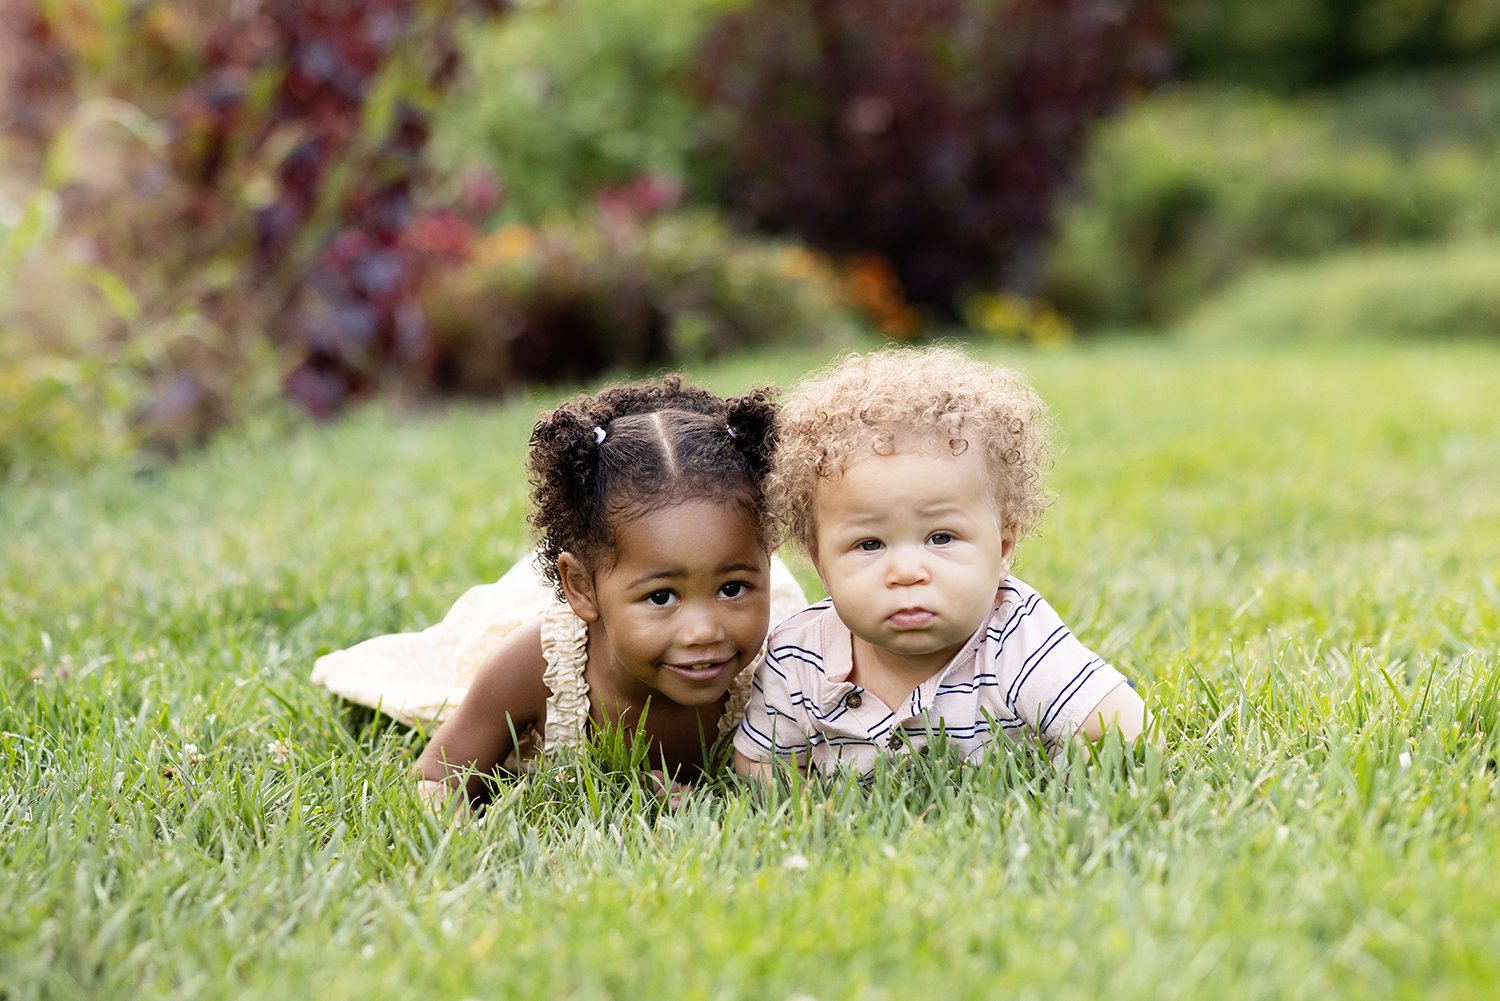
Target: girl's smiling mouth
{"points": [[702, 670]]}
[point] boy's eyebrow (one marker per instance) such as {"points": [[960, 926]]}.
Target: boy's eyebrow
{"points": [[878, 515], [940, 507]]}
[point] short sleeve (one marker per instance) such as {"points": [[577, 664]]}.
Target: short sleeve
{"points": [[1051, 681]]}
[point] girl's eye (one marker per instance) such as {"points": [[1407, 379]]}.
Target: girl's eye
{"points": [[733, 589], [868, 545], [661, 598], [940, 538]]}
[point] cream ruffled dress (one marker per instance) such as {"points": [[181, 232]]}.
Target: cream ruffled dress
{"points": [[420, 677]]}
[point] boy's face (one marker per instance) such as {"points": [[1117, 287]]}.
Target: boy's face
{"points": [[912, 547]]}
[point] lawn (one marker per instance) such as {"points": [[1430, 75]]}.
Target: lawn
{"points": [[1294, 552]]}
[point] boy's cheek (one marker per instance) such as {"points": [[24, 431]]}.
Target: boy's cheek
{"points": [[818, 567]]}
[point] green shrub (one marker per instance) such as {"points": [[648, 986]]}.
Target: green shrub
{"points": [[1413, 112], [1422, 293], [577, 298], [1188, 189], [567, 97], [64, 387], [1286, 44]]}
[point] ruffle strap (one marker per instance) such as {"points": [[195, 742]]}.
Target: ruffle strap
{"points": [[565, 642]]}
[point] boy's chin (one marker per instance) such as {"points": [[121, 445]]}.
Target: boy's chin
{"points": [[917, 648]]}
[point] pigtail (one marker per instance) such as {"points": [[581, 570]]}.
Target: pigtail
{"points": [[566, 492], [751, 422]]}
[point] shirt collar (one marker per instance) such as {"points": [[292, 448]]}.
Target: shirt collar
{"points": [[837, 644]]}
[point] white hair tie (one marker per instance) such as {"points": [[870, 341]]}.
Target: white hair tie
{"points": [[598, 436], [733, 434]]}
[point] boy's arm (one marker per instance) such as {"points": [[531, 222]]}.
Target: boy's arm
{"points": [[507, 696], [768, 734], [753, 768], [1121, 710]]}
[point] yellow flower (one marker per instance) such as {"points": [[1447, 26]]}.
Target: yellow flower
{"points": [[508, 243]]}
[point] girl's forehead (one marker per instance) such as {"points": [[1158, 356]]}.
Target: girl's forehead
{"points": [[685, 534], [643, 518]]}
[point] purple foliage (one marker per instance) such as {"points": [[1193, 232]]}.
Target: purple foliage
{"points": [[934, 133]]}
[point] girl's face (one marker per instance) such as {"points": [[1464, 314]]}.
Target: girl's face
{"points": [[684, 606]]}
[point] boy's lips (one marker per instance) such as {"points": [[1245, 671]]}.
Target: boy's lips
{"points": [[911, 618]]}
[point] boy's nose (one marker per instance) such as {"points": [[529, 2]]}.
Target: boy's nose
{"points": [[906, 566]]}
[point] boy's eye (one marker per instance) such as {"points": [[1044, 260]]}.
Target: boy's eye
{"points": [[868, 545], [733, 589], [940, 538], [661, 598]]}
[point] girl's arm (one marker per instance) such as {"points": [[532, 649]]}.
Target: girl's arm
{"points": [[507, 696]]}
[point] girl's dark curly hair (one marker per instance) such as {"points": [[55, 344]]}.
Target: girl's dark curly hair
{"points": [[627, 449]]}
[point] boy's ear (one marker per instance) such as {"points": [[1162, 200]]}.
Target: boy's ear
{"points": [[1008, 544], [578, 587]]}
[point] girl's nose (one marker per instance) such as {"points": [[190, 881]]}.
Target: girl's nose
{"points": [[701, 627]]}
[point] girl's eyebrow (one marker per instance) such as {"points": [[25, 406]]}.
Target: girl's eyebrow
{"points": [[655, 575], [674, 573]]}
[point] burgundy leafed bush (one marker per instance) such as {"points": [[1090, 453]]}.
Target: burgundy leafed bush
{"points": [[272, 192], [341, 233], [935, 133]]}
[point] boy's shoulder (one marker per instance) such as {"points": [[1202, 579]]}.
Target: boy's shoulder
{"points": [[802, 643], [1016, 604], [1014, 593], [808, 624]]}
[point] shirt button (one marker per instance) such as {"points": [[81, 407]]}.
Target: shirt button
{"points": [[853, 700], [895, 740]]}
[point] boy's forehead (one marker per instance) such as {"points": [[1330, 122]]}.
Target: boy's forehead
{"points": [[908, 441], [870, 485], [876, 445]]}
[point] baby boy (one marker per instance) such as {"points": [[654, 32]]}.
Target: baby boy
{"points": [[908, 475]]}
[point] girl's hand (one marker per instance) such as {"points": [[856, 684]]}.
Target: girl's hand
{"points": [[440, 797], [675, 792]]}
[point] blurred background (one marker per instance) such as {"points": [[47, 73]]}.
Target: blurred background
{"points": [[265, 210]]}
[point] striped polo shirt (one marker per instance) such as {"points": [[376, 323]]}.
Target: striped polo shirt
{"points": [[1021, 676]]}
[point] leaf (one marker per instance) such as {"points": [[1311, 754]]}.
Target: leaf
{"points": [[37, 223], [121, 300]]}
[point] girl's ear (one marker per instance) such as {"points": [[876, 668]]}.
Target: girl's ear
{"points": [[578, 587], [1008, 544]]}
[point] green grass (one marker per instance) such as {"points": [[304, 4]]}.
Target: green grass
{"points": [[1295, 553]]}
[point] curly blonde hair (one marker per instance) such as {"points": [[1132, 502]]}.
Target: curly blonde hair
{"points": [[861, 403]]}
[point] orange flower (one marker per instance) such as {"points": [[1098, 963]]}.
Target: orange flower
{"points": [[872, 286], [506, 244]]}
